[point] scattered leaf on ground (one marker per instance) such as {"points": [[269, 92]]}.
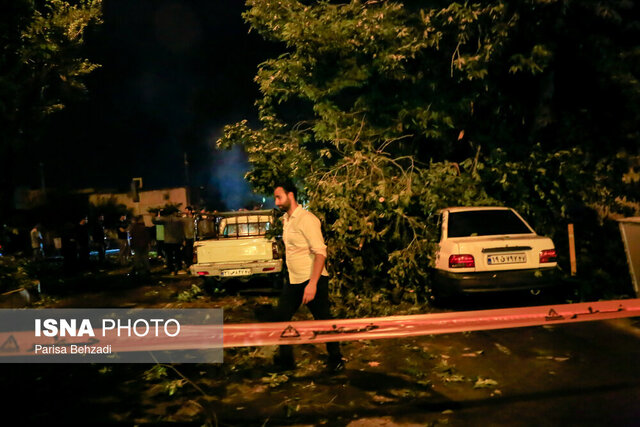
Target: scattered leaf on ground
{"points": [[454, 378], [190, 409], [383, 399], [400, 392], [502, 348], [274, 380], [485, 383]]}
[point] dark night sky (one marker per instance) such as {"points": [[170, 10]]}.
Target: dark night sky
{"points": [[173, 73]]}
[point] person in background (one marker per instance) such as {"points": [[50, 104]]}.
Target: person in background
{"points": [[140, 241], [173, 238], [160, 243], [124, 253], [69, 248], [189, 236], [82, 239], [37, 246], [98, 237]]}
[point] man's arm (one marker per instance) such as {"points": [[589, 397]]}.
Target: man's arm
{"points": [[313, 234], [312, 286], [159, 220]]}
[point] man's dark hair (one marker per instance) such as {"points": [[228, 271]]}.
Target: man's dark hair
{"points": [[288, 186]]}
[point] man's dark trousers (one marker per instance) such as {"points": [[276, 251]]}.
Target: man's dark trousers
{"points": [[290, 301], [173, 256], [187, 252]]}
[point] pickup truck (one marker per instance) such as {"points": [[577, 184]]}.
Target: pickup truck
{"points": [[235, 245]]}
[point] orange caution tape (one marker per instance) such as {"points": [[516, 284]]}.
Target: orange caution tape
{"points": [[319, 331]]}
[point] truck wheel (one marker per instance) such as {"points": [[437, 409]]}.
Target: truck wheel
{"points": [[213, 286]]}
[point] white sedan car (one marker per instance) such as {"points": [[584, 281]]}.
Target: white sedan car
{"points": [[490, 249]]}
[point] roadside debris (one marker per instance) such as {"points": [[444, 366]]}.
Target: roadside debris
{"points": [[485, 383], [502, 348]]}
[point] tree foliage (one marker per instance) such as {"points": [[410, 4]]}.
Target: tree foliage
{"points": [[42, 68], [42, 62], [388, 111]]}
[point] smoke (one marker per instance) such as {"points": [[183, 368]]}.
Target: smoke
{"points": [[228, 177]]}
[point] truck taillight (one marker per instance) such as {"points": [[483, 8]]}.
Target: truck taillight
{"points": [[275, 251], [548, 255], [461, 261], [195, 256]]}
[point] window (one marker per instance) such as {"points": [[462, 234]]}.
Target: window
{"points": [[485, 223], [249, 229]]}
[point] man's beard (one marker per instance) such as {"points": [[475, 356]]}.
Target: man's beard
{"points": [[285, 206]]}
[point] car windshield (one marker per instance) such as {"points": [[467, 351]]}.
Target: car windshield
{"points": [[485, 223]]}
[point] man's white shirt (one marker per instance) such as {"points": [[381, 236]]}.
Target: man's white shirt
{"points": [[303, 239]]}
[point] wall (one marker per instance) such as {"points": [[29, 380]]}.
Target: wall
{"points": [[148, 199]]}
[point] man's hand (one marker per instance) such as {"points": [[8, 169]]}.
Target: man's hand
{"points": [[309, 293]]}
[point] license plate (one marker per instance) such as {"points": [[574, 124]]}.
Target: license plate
{"points": [[506, 259], [236, 272]]}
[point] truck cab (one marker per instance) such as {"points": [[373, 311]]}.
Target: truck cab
{"points": [[236, 244]]}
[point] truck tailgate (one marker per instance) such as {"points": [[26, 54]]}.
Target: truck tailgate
{"points": [[234, 250]]}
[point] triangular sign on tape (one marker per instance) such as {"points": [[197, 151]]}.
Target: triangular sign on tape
{"points": [[290, 332], [10, 345]]}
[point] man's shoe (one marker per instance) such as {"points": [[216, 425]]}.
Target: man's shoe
{"points": [[283, 363], [264, 312], [335, 365]]}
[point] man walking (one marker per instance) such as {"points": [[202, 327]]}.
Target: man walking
{"points": [[308, 278]]}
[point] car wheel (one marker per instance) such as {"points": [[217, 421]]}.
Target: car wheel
{"points": [[440, 299]]}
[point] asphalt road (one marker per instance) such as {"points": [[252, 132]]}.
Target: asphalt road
{"points": [[576, 374]]}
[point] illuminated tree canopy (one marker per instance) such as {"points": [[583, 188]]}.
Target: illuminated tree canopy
{"points": [[386, 112]]}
